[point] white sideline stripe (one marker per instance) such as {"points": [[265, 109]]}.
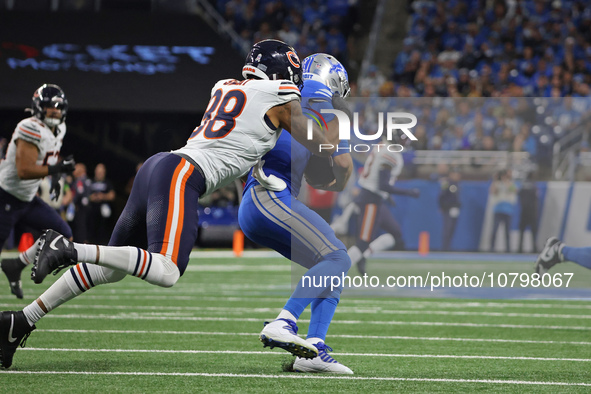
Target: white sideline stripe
{"points": [[342, 310], [395, 355], [252, 319], [298, 376], [344, 301], [332, 336]]}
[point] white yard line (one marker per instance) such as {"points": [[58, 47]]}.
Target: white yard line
{"points": [[300, 376], [136, 316], [253, 334], [393, 355], [345, 302], [341, 310]]}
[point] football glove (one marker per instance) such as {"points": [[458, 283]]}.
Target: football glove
{"points": [[65, 167], [56, 188]]}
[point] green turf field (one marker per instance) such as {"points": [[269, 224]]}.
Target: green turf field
{"points": [[202, 335]]}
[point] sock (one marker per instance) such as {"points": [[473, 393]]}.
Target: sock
{"points": [[383, 242], [86, 253], [72, 283], [581, 256], [295, 306], [314, 340], [154, 268], [285, 314], [323, 310], [312, 284], [33, 313], [28, 256]]}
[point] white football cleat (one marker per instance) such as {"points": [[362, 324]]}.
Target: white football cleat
{"points": [[324, 363], [283, 333]]}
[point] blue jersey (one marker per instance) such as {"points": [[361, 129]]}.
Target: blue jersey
{"points": [[288, 159]]}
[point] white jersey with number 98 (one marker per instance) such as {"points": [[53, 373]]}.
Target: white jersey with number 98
{"points": [[235, 131]]}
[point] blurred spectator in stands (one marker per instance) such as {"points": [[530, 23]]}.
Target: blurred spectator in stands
{"points": [[503, 196], [420, 132], [488, 143], [528, 202], [101, 196], [370, 84], [449, 205], [505, 139], [288, 34], [81, 190], [264, 32]]}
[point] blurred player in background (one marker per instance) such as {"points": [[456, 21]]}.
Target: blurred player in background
{"points": [[241, 123], [380, 171], [32, 155], [555, 252], [271, 215]]}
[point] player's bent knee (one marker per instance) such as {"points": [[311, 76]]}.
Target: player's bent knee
{"points": [[164, 273], [340, 260]]}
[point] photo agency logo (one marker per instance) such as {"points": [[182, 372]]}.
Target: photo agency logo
{"points": [[396, 123]]}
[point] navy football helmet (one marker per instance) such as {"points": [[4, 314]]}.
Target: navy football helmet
{"points": [[49, 95], [273, 59]]}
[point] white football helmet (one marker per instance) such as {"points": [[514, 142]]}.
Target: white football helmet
{"points": [[328, 70]]}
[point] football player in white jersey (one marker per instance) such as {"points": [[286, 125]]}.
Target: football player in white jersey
{"points": [[242, 122], [380, 171], [32, 155]]}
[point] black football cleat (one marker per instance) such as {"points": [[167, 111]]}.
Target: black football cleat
{"points": [[14, 331], [361, 266], [550, 256], [54, 254], [12, 268]]}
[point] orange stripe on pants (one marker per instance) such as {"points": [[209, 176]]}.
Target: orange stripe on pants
{"points": [[177, 240], [176, 213], [369, 218], [169, 216]]}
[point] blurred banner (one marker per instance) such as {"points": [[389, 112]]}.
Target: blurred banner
{"points": [[114, 62]]}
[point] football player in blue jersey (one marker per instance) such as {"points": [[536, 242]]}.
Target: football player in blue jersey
{"points": [[271, 215]]}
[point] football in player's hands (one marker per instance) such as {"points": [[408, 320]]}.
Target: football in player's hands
{"points": [[318, 171]]}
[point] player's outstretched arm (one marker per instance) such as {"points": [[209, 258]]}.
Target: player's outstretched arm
{"points": [[26, 162], [290, 117], [387, 187]]}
